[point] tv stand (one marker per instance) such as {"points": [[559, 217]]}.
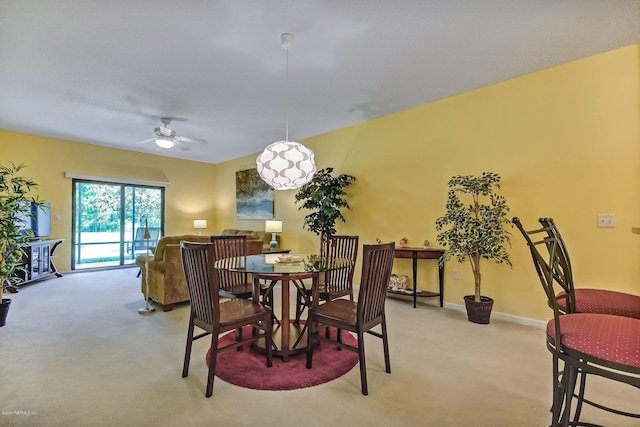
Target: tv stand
{"points": [[37, 261]]}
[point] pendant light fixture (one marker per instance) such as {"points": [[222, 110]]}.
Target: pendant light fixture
{"points": [[286, 165]]}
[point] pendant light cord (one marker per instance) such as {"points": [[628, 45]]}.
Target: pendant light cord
{"points": [[287, 99]]}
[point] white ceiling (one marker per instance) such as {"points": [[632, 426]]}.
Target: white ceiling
{"points": [[104, 71]]}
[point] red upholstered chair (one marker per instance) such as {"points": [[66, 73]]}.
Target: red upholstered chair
{"points": [[214, 317], [586, 300], [357, 317], [580, 343]]}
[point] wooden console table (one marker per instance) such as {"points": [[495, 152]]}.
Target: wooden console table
{"points": [[422, 253]]}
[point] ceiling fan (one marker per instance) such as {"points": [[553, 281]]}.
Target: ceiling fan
{"points": [[167, 138]]}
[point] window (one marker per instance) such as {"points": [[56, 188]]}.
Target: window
{"points": [[109, 220]]}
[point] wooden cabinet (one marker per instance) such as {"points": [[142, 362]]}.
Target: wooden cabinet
{"points": [[37, 262]]}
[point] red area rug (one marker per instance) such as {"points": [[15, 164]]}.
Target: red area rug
{"points": [[248, 368]]}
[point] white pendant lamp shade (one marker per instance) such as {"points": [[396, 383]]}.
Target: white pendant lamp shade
{"points": [[286, 165]]}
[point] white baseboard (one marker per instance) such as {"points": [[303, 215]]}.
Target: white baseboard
{"points": [[504, 316]]}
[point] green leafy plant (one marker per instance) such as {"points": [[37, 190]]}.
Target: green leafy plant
{"points": [[14, 207], [475, 228], [326, 196]]}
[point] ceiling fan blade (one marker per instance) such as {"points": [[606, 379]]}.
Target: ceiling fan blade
{"points": [[145, 141], [180, 145], [189, 139]]}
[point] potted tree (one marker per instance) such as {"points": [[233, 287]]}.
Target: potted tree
{"points": [[15, 206], [325, 196], [474, 228]]}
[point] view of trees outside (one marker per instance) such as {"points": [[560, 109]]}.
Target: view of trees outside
{"points": [[99, 220], [100, 207]]}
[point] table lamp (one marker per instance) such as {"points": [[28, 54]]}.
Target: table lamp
{"points": [[199, 224], [273, 226]]}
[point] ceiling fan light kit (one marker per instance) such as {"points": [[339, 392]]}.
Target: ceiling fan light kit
{"points": [[164, 143], [286, 165], [167, 138]]}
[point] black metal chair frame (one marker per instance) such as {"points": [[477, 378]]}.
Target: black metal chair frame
{"points": [[214, 317], [357, 317], [556, 271]]}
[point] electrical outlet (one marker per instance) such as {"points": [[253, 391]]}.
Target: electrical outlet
{"points": [[606, 220], [454, 273]]}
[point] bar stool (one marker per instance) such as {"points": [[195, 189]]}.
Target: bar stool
{"points": [[600, 344]]}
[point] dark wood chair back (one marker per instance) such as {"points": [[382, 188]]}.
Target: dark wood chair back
{"points": [[339, 282], [232, 250], [202, 283], [377, 263]]}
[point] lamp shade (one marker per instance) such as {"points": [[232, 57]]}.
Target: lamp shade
{"points": [[273, 226], [199, 224], [286, 165]]}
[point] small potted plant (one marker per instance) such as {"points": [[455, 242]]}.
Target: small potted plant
{"points": [[15, 206], [474, 228]]}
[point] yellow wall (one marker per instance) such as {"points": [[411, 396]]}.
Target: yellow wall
{"points": [[565, 140], [190, 193]]}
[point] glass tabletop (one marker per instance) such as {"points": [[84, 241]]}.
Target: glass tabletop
{"points": [[282, 263]]}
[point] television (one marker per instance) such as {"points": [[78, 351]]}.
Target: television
{"points": [[39, 221]]}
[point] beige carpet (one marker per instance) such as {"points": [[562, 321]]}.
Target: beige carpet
{"points": [[75, 352]]}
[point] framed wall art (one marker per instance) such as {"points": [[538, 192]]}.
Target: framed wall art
{"points": [[254, 197]]}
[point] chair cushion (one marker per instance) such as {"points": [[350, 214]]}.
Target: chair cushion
{"points": [[606, 302], [612, 338], [341, 310]]}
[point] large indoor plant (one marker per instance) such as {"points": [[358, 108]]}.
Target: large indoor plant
{"points": [[474, 227], [15, 206], [325, 196]]}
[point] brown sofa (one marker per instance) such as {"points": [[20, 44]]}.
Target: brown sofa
{"points": [[167, 284]]}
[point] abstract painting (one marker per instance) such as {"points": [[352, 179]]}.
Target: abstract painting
{"points": [[254, 197]]}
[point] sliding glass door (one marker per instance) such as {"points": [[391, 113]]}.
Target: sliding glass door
{"points": [[109, 221]]}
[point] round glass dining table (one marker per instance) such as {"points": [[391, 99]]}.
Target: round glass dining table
{"points": [[289, 337]]}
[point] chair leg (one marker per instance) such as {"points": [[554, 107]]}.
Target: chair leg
{"points": [[268, 341], [363, 364], [558, 381], [310, 331], [583, 383], [187, 351], [385, 346], [213, 359], [571, 372]]}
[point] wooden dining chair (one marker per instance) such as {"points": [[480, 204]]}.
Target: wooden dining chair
{"points": [[584, 343], [357, 317], [334, 283], [215, 317], [232, 250]]}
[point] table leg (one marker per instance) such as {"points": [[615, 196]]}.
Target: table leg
{"points": [[284, 323], [414, 256], [441, 281]]}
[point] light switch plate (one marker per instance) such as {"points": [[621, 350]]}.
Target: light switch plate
{"points": [[606, 220]]}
